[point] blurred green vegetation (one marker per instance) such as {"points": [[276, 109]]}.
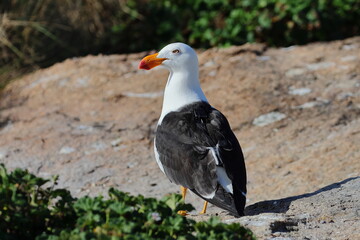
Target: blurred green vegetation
{"points": [[42, 32]]}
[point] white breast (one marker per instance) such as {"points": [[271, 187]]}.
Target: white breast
{"points": [[181, 89]]}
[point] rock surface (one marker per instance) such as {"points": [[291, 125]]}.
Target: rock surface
{"points": [[332, 212], [295, 111]]}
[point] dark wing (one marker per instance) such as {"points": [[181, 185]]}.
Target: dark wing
{"points": [[193, 145]]}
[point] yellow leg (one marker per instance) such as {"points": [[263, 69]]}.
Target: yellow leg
{"points": [[183, 192], [204, 208]]}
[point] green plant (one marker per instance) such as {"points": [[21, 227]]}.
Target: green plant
{"points": [[31, 210], [275, 22], [28, 208]]}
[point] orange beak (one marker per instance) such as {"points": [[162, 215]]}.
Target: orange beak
{"points": [[150, 62]]}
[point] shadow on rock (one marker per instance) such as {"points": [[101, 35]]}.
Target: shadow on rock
{"points": [[282, 205]]}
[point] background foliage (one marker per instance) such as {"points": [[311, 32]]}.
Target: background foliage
{"points": [[31, 208], [42, 32]]}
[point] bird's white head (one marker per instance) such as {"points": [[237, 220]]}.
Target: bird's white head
{"points": [[175, 57], [183, 86]]}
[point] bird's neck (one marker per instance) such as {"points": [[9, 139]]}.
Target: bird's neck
{"points": [[182, 88]]}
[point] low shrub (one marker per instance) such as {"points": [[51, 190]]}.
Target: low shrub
{"points": [[32, 208]]}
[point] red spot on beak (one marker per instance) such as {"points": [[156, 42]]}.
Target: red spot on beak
{"points": [[150, 62], [143, 65]]}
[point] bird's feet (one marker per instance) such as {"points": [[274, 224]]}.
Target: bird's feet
{"points": [[182, 213], [203, 211], [183, 193]]}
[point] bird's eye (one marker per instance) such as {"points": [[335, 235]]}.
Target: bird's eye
{"points": [[176, 51]]}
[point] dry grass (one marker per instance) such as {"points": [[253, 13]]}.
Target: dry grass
{"points": [[26, 26], [37, 33]]}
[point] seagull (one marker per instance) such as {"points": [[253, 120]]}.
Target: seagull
{"points": [[194, 145]]}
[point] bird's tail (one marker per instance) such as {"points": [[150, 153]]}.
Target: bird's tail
{"points": [[234, 203]]}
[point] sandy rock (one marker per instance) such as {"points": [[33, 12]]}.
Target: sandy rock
{"points": [[299, 91], [268, 118], [332, 212], [295, 72], [92, 121]]}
